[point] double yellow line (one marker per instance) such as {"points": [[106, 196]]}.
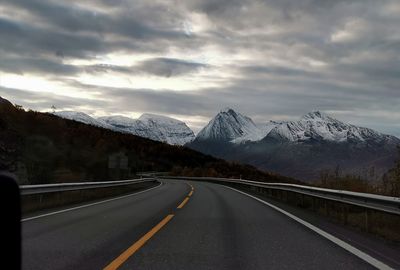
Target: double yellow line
{"points": [[115, 264]]}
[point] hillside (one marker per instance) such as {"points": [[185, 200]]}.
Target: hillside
{"points": [[44, 148]]}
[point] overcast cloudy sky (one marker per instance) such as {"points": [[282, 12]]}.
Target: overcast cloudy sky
{"points": [[188, 59]]}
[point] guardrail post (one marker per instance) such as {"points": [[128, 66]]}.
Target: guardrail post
{"points": [[366, 219]]}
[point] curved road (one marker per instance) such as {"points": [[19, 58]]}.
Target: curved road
{"points": [[215, 227]]}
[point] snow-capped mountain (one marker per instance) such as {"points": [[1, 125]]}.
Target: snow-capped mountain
{"points": [[128, 125], [151, 126], [300, 149], [83, 118], [319, 126], [166, 129], [230, 126]]}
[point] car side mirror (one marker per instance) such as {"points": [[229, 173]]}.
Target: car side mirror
{"points": [[10, 211]]}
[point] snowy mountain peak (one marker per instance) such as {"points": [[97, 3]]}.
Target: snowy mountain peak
{"points": [[231, 126], [318, 126], [316, 115], [168, 129], [228, 110]]}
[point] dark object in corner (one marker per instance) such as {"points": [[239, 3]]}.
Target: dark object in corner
{"points": [[10, 211]]}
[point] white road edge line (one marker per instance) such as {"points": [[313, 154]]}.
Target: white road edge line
{"points": [[90, 204], [362, 255]]}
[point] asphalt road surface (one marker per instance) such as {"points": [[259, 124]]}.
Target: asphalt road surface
{"points": [[175, 226]]}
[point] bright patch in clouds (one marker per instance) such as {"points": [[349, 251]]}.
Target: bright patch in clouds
{"points": [[40, 85], [350, 32]]}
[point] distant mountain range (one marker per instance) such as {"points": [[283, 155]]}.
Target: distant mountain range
{"points": [[231, 126], [43, 148], [302, 149], [151, 126]]}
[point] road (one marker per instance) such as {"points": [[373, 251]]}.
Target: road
{"points": [[214, 228]]}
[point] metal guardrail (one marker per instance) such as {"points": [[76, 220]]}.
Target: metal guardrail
{"points": [[370, 201], [152, 174], [49, 188]]}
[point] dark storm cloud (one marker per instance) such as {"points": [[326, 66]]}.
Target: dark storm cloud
{"points": [[168, 67], [24, 39], [340, 56], [163, 67], [69, 30], [128, 21], [277, 71], [41, 66]]}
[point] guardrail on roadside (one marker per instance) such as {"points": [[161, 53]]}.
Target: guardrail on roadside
{"points": [[371, 201], [48, 188], [151, 174], [38, 197]]}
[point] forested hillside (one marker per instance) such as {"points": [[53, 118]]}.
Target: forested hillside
{"points": [[44, 148]]}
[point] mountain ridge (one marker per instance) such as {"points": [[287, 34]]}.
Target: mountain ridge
{"points": [[320, 126], [304, 148], [151, 126]]}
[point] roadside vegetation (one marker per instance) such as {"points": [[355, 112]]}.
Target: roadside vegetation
{"points": [[388, 184]]}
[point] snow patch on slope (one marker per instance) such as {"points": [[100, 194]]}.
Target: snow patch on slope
{"points": [[83, 118]]}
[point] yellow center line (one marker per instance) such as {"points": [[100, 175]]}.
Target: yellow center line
{"points": [[187, 198], [136, 246], [183, 203], [115, 264]]}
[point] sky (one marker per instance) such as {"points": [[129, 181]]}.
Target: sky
{"points": [[188, 59]]}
